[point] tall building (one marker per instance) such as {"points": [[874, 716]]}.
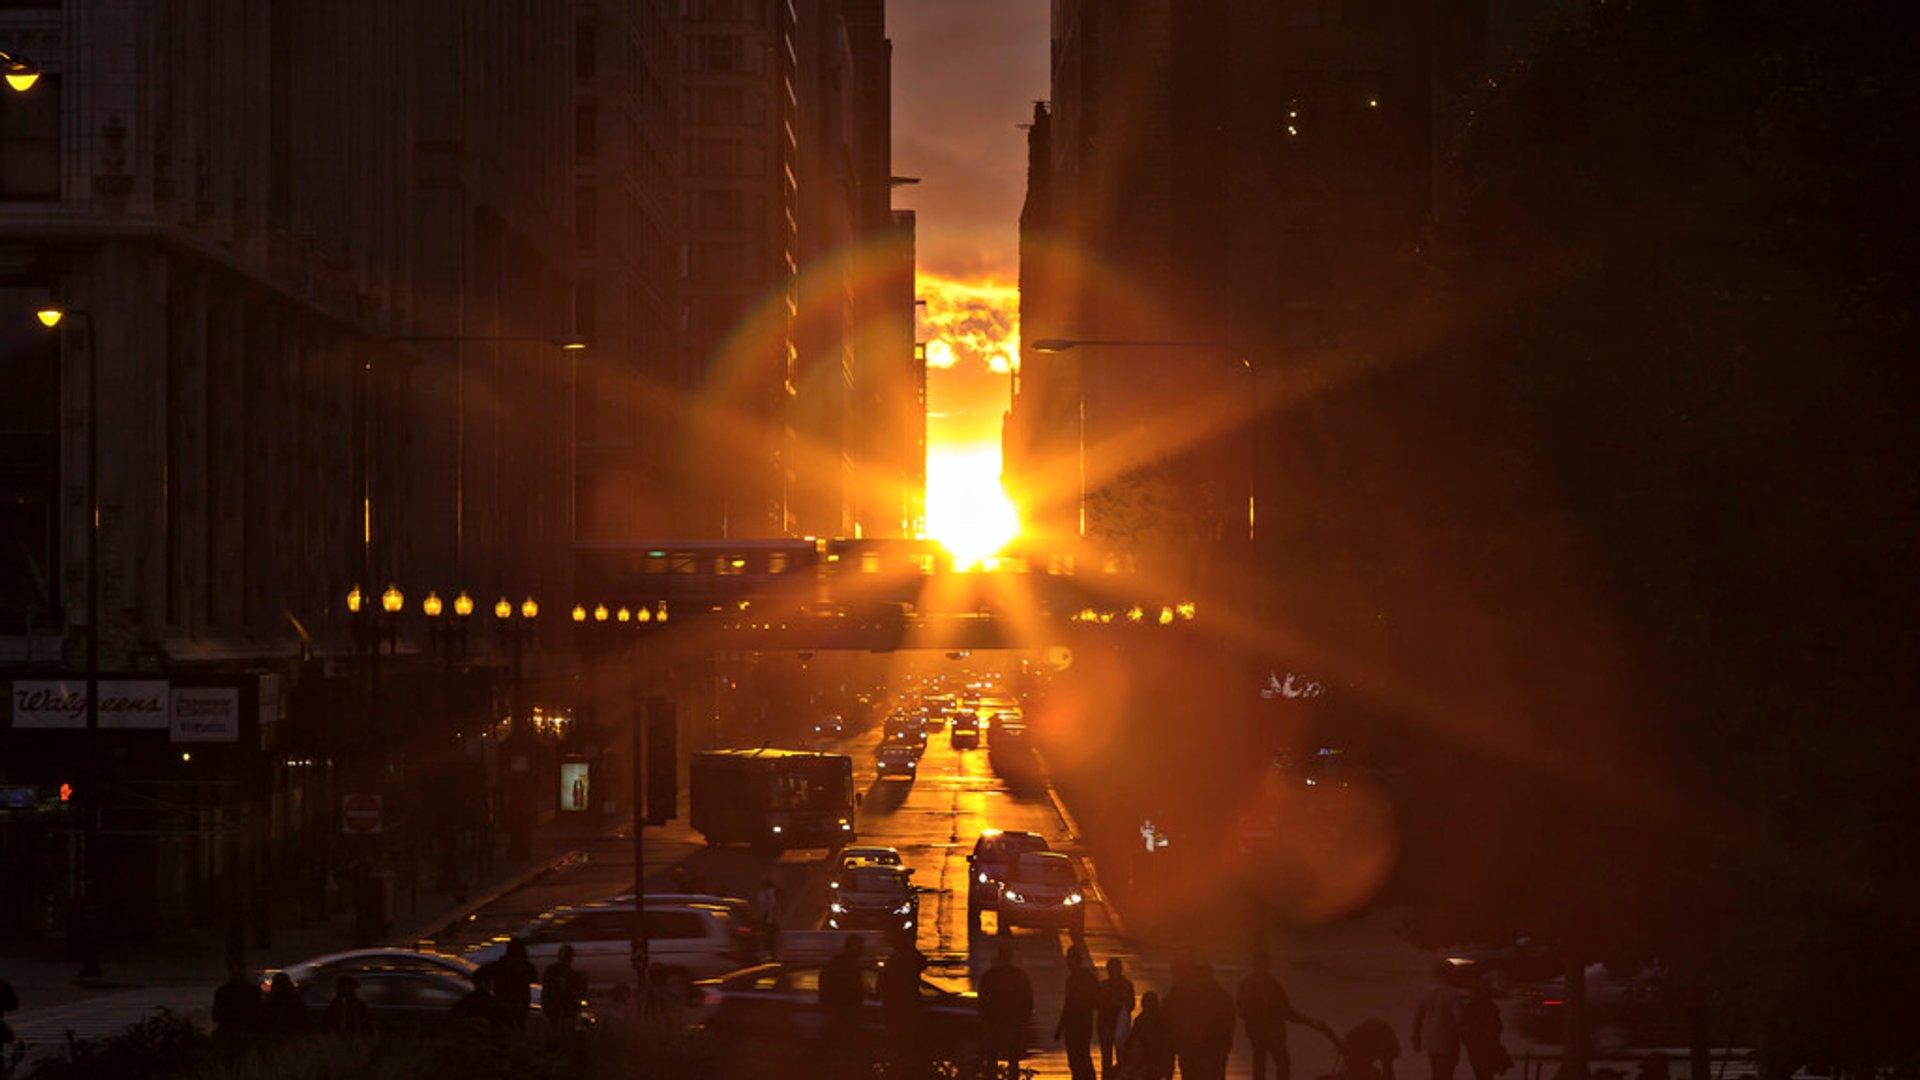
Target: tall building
{"points": [[635, 387], [318, 265], [799, 273], [741, 183], [1231, 189]]}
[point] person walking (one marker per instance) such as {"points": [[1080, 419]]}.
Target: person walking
{"points": [[1480, 1035], [1436, 1025], [1202, 1016], [346, 1013], [1116, 1010], [1006, 1007], [283, 1014], [767, 903], [902, 1010], [237, 1011], [562, 991], [1266, 1012], [844, 996], [1077, 1011], [511, 978], [1147, 1052], [1369, 1051]]}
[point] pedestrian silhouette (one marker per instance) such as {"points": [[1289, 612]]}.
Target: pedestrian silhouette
{"points": [[901, 1008], [284, 1012], [9, 1001], [767, 903], [1368, 1051], [346, 1013], [1201, 1013], [562, 990], [237, 1013], [1147, 1053], [1480, 1037], [1116, 1012], [844, 996], [1077, 1012], [1006, 1007], [510, 979], [481, 1006], [1266, 1012], [1436, 1024]]}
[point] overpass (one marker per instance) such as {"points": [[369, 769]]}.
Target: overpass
{"points": [[873, 594]]}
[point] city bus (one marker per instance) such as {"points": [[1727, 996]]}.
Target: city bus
{"points": [[772, 799]]}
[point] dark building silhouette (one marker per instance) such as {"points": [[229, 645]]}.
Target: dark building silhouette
{"points": [[324, 266], [1254, 178]]}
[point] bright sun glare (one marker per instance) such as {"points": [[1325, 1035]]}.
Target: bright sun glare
{"points": [[971, 330], [967, 511]]}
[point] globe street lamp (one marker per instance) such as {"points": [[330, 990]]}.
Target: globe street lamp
{"points": [[20, 72], [1060, 345]]}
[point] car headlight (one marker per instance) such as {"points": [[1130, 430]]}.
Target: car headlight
{"points": [[1074, 898], [837, 908], [833, 884], [983, 879], [778, 829], [1015, 897], [904, 908], [844, 827]]}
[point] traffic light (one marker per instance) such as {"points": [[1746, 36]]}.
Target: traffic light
{"points": [[663, 762]]}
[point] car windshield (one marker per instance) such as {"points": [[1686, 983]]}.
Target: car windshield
{"points": [[873, 879], [1009, 847], [883, 856]]}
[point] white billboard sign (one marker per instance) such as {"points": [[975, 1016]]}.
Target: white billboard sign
{"points": [[206, 714], [62, 703]]}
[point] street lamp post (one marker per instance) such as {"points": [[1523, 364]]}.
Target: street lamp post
{"points": [[599, 630], [88, 943], [448, 637], [1060, 345], [518, 795]]}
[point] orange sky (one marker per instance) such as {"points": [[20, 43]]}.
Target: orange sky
{"points": [[965, 76]]}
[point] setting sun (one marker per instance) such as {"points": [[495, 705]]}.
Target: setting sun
{"points": [[966, 509]]}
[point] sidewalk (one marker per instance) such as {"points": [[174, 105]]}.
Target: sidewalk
{"points": [[42, 976]]}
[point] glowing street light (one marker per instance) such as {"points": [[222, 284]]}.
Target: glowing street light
{"points": [[21, 73]]}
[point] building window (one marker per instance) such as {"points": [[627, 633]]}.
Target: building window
{"points": [[717, 52], [585, 61], [586, 131], [30, 142], [586, 214]]}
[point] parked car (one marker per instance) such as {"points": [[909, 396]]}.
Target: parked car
{"points": [[1503, 966], [873, 897], [690, 941], [358, 962], [1042, 888], [776, 1003], [993, 853], [1641, 1011], [405, 990]]}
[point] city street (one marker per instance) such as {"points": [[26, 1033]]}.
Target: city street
{"points": [[1341, 973]]}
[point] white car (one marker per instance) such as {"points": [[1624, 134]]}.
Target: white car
{"points": [[1042, 888], [690, 941]]}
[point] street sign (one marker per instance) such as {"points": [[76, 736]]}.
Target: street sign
{"points": [[361, 814]]}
